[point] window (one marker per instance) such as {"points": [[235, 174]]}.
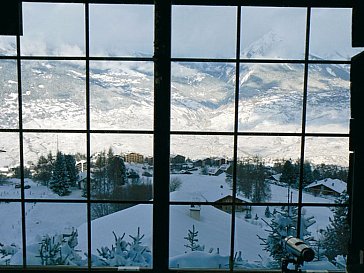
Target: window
{"points": [[187, 155]]}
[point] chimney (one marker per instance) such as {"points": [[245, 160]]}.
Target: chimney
{"points": [[195, 211]]}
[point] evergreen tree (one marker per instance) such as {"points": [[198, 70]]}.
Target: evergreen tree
{"points": [[284, 224], [307, 174], [43, 170], [289, 173], [267, 213], [192, 240], [337, 234], [71, 169], [116, 171], [251, 179], [60, 181]]}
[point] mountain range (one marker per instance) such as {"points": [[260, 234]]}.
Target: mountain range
{"points": [[203, 99]]}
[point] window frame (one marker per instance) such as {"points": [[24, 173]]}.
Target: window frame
{"points": [[162, 118]]}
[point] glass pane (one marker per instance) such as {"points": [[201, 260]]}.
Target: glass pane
{"points": [[326, 169], [199, 237], [209, 32], [260, 233], [270, 98], [54, 159], [328, 99], [7, 46], [121, 167], [10, 234], [268, 168], [53, 29], [53, 94], [122, 95], [54, 240], [273, 33], [331, 34], [123, 238], [200, 167], [203, 96], [121, 30], [331, 233], [9, 118], [10, 166]]}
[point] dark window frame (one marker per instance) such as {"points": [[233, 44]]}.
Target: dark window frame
{"points": [[162, 68]]}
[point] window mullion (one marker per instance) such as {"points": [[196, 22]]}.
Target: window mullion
{"points": [[162, 113]]}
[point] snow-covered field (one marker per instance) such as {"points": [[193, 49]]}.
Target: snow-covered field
{"points": [[213, 226]]}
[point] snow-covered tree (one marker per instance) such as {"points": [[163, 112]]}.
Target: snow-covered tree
{"points": [[71, 169], [336, 235], [6, 252], [60, 181], [59, 249], [283, 224], [124, 253], [43, 169]]}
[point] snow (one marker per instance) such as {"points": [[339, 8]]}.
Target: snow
{"points": [[213, 225], [336, 185]]}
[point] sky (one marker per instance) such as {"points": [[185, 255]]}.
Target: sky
{"points": [[197, 31]]}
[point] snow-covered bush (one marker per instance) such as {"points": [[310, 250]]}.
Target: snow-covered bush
{"points": [[52, 249], [6, 252], [124, 253]]}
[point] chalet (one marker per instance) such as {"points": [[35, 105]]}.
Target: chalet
{"points": [[275, 177], [218, 170], [178, 159], [242, 204], [327, 186], [197, 163], [222, 196], [215, 171]]}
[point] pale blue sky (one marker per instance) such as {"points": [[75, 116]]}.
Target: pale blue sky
{"points": [[127, 30]]}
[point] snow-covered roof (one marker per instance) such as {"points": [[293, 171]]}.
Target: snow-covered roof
{"points": [[213, 230], [277, 176], [336, 185], [4, 170]]}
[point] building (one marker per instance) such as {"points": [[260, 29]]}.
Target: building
{"points": [[327, 186], [134, 158], [242, 204]]}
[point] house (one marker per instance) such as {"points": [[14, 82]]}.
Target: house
{"points": [[178, 159], [327, 186], [215, 171], [228, 199], [219, 170], [149, 160], [275, 177]]}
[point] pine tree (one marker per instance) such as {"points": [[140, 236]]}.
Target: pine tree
{"points": [[43, 170], [336, 235], [267, 213], [289, 173], [71, 169], [60, 181], [192, 239], [284, 224]]}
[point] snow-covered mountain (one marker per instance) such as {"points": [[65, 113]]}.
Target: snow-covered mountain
{"points": [[121, 97]]}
